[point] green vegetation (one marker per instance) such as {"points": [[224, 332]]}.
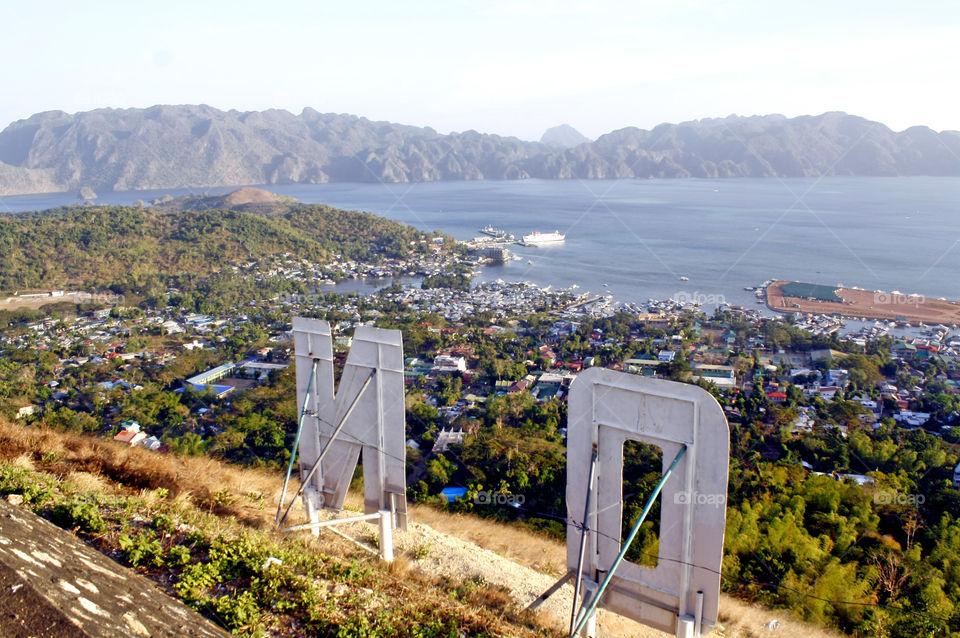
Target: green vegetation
{"points": [[256, 583], [128, 248], [77, 515], [458, 280], [811, 291], [840, 516]]}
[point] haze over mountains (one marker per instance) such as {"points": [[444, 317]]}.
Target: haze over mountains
{"points": [[197, 146]]}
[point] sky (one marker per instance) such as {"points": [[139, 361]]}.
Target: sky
{"points": [[506, 67]]}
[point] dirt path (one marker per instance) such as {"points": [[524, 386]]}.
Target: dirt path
{"points": [[42, 299]]}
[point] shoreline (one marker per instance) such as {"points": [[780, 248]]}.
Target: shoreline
{"points": [[868, 304]]}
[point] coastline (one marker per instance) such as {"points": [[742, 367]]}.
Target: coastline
{"points": [[868, 304]]}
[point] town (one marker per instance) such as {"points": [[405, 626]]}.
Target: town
{"points": [[822, 425], [495, 339]]}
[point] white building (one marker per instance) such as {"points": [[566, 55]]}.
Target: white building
{"points": [[172, 327], [446, 363], [914, 419]]}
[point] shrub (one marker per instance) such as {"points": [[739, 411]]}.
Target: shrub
{"points": [[76, 515], [240, 558]]}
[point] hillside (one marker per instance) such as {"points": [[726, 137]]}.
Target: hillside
{"points": [[104, 246], [246, 199], [454, 572], [196, 146]]}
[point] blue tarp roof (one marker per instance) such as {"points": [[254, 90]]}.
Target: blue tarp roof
{"points": [[453, 493]]}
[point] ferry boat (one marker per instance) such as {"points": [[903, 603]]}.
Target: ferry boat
{"points": [[537, 238], [496, 234]]}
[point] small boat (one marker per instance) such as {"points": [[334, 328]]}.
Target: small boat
{"points": [[684, 278]]}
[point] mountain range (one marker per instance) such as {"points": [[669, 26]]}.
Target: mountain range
{"points": [[198, 146]]}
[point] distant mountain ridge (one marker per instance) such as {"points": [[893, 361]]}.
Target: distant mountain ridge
{"points": [[197, 146]]}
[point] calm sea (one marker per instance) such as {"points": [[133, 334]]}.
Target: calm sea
{"points": [[640, 237]]}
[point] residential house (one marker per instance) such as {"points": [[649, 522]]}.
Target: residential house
{"points": [[722, 376]]}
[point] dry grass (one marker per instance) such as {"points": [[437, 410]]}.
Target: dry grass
{"points": [[25, 461], [251, 495], [743, 620], [522, 546], [375, 591], [543, 553], [87, 482], [218, 487]]}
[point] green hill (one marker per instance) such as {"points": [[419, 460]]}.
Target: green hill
{"points": [[111, 246]]}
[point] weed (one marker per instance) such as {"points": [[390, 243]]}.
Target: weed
{"points": [[422, 551], [195, 580], [223, 498], [258, 498], [163, 524], [216, 564], [240, 613], [351, 573], [141, 549], [240, 558], [197, 539], [49, 458], [177, 556]]}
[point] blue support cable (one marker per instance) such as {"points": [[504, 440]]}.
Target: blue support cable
{"points": [[296, 439], [595, 600]]}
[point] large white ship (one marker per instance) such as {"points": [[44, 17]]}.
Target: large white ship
{"points": [[538, 239]]}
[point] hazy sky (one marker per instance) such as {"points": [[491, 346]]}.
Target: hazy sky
{"points": [[514, 67]]}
